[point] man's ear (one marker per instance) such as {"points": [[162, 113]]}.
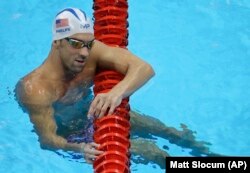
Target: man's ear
{"points": [[56, 43]]}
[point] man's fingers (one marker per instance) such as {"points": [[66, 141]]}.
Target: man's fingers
{"points": [[112, 108], [102, 103], [93, 144], [91, 154], [99, 108], [96, 153], [90, 113], [88, 159], [92, 151], [104, 109], [96, 106], [92, 107]]}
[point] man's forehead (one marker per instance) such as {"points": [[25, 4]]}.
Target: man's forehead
{"points": [[83, 36]]}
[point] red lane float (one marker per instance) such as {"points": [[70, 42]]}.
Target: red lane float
{"points": [[112, 132]]}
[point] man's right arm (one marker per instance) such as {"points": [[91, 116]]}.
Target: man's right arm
{"points": [[43, 119], [37, 101]]}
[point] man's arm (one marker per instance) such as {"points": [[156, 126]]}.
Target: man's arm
{"points": [[42, 118], [37, 100], [137, 72]]}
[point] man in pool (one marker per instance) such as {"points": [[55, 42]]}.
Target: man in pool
{"points": [[57, 94]]}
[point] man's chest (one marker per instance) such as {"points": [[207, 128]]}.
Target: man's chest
{"points": [[73, 94]]}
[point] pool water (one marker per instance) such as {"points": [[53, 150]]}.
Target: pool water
{"points": [[199, 50]]}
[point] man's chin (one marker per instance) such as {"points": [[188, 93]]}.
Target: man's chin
{"points": [[77, 70]]}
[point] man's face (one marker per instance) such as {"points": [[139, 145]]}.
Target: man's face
{"points": [[74, 51]]}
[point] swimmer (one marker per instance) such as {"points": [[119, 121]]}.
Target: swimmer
{"points": [[57, 94], [67, 74]]}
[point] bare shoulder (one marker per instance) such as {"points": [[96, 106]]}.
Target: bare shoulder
{"points": [[32, 90]]}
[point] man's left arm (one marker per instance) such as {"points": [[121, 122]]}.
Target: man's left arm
{"points": [[137, 72]]}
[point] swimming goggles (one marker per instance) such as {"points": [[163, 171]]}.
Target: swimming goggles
{"points": [[78, 44]]}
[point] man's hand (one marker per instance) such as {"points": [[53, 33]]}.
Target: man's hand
{"points": [[90, 152], [102, 103]]}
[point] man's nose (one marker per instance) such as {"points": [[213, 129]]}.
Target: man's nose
{"points": [[84, 51]]}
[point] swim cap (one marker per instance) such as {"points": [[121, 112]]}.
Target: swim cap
{"points": [[71, 21]]}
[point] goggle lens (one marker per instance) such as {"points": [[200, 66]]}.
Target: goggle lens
{"points": [[77, 44]]}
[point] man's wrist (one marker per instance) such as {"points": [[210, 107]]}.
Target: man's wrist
{"points": [[82, 147]]}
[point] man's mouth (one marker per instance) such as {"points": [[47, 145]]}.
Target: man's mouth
{"points": [[80, 61]]}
